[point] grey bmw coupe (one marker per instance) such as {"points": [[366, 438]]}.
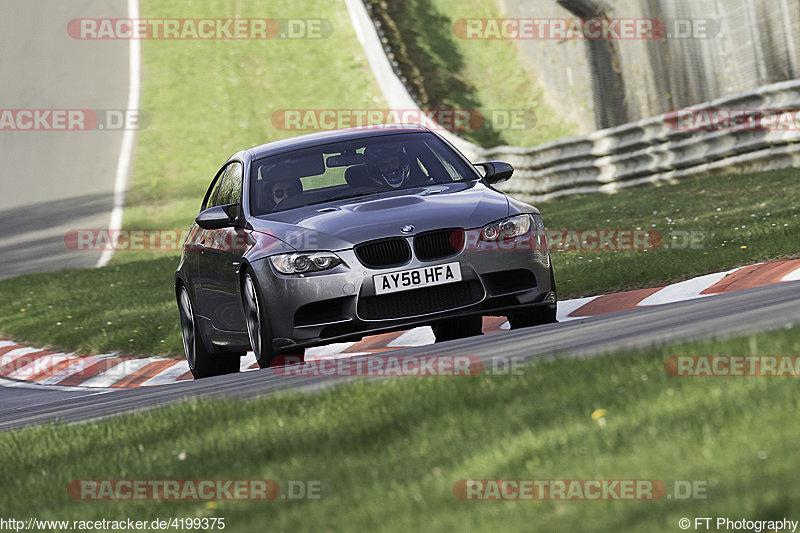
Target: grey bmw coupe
{"points": [[337, 235]]}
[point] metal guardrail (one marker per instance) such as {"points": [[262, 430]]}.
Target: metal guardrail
{"points": [[648, 151]]}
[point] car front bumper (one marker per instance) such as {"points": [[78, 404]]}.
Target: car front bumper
{"points": [[341, 304]]}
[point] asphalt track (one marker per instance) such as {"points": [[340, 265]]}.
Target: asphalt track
{"points": [[54, 181], [760, 309]]}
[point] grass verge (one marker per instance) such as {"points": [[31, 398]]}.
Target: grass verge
{"points": [[127, 308], [389, 453], [736, 219], [137, 297], [210, 99], [446, 72]]}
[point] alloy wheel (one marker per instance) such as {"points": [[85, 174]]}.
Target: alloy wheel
{"points": [[252, 315], [187, 326]]}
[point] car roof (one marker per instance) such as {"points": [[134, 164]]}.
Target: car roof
{"points": [[325, 137]]}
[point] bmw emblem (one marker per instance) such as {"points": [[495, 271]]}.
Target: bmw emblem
{"points": [[408, 228]]}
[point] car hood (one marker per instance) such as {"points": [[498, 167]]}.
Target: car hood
{"points": [[341, 224]]}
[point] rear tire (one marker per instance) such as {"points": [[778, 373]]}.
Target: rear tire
{"points": [[259, 330], [202, 363], [458, 328]]}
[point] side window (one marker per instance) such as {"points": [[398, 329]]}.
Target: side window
{"points": [[228, 189], [451, 171]]}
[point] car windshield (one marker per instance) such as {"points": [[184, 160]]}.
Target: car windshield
{"points": [[353, 168]]}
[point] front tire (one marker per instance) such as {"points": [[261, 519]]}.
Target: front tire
{"points": [[258, 327], [202, 363]]}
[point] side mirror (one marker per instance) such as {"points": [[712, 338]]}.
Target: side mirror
{"points": [[217, 217], [496, 171]]}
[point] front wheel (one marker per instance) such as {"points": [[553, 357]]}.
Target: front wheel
{"points": [[258, 327], [202, 363]]}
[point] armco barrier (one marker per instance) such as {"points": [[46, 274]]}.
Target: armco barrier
{"points": [[649, 151], [606, 160]]}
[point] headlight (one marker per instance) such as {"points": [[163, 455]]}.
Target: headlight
{"points": [[509, 228], [299, 263]]}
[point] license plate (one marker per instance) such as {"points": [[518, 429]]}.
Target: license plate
{"points": [[417, 277]]}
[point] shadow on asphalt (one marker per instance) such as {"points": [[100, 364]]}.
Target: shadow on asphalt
{"points": [[32, 238]]}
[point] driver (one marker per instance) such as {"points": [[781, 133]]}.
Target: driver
{"points": [[388, 165], [284, 189]]}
